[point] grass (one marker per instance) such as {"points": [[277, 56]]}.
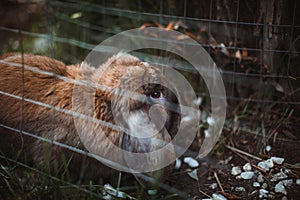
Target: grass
{"points": [[21, 181]]}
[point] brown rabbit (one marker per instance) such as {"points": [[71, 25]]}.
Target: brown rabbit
{"points": [[33, 100]]}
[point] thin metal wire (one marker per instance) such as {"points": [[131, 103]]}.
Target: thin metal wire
{"points": [[89, 46], [105, 88], [235, 46], [23, 83], [291, 40], [146, 16], [52, 52]]}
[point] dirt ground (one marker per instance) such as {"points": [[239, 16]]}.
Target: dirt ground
{"points": [[284, 140]]}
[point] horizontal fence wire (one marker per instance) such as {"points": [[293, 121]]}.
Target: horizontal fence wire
{"points": [[89, 46]]}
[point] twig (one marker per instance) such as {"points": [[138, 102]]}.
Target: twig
{"points": [[204, 194], [119, 180], [259, 168], [243, 152], [218, 181]]}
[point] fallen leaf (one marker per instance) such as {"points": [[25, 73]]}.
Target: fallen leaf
{"points": [[170, 26], [238, 55]]}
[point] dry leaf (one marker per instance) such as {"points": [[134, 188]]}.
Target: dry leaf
{"points": [[170, 26], [278, 87], [244, 53], [238, 55]]}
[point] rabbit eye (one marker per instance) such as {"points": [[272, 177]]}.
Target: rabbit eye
{"points": [[155, 95]]}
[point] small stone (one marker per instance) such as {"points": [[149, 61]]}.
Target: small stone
{"points": [[287, 182], [177, 163], [107, 197], [268, 148], [279, 188], [264, 186], [247, 175], [256, 184], [198, 101], [238, 177], [236, 170], [298, 181], [277, 160], [210, 121], [279, 176], [247, 167], [193, 174], [266, 165], [213, 186], [263, 193], [260, 178], [191, 162], [218, 197], [240, 189], [207, 134], [284, 198], [114, 192], [152, 192]]}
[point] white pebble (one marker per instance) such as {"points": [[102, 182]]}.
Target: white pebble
{"points": [[268, 148], [263, 193], [277, 160], [177, 163], [207, 134], [186, 119], [260, 178], [279, 176], [247, 167], [191, 162], [264, 186], [236, 170], [218, 197], [107, 197], [247, 175], [114, 192], [193, 174], [256, 184], [210, 121], [284, 198], [240, 189], [152, 192], [266, 165], [287, 182], [298, 181], [279, 188], [213, 186], [198, 101], [238, 177]]}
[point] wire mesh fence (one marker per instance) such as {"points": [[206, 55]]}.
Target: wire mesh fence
{"points": [[254, 44]]}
